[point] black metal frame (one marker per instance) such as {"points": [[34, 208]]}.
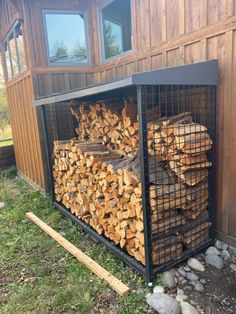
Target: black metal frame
{"points": [[149, 270]]}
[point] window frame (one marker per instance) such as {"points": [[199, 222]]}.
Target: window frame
{"points": [[12, 31], [46, 41], [101, 34]]}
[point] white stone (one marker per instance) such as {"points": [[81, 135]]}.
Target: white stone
{"points": [[180, 291], [212, 250], [195, 264], [181, 297], [158, 289], [187, 308], [2, 204], [163, 304], [233, 267]]}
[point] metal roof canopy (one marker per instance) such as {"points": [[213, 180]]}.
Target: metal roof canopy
{"points": [[201, 73]]}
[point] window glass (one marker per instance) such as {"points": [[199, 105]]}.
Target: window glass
{"points": [[20, 47], [7, 61], [14, 52], [116, 28], [66, 38]]}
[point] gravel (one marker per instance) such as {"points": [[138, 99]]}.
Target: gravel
{"points": [[199, 287], [233, 267]]}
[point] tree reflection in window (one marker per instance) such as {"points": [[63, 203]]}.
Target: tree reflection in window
{"points": [[116, 28], [69, 44]]}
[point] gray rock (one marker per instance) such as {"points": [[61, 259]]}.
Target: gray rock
{"points": [[163, 304], [203, 281], [177, 274], [2, 204], [182, 272], [180, 291], [191, 276], [212, 250], [186, 268], [214, 261], [158, 289], [224, 246], [221, 245], [195, 264], [187, 308], [184, 282], [188, 288], [199, 287], [181, 278], [233, 267], [218, 244], [225, 255], [168, 279], [181, 298]]}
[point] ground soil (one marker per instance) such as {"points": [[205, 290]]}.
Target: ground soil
{"points": [[220, 293]]}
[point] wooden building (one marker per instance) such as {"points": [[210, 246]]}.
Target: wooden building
{"points": [[157, 34]]}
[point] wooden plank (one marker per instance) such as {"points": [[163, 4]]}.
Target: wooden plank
{"points": [[163, 20], [181, 17], [203, 13], [115, 283], [203, 47]]}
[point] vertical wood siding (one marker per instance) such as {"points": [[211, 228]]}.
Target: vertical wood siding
{"points": [[25, 130]]}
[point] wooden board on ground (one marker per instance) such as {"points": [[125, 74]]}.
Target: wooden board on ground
{"points": [[115, 283]]}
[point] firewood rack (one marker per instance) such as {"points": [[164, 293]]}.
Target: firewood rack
{"points": [[172, 91]]}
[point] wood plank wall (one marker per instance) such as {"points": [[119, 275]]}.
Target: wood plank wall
{"points": [[25, 130]]}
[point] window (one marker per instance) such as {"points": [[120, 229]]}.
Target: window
{"points": [[116, 28], [66, 38], [13, 52]]}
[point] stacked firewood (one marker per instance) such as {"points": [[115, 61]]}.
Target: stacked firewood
{"points": [[97, 177], [115, 123], [104, 190]]}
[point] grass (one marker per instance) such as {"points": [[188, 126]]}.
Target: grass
{"points": [[5, 134], [39, 276]]}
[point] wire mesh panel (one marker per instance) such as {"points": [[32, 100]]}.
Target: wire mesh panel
{"points": [[177, 167]]}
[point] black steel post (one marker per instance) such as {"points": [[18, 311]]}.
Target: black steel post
{"points": [[212, 157], [47, 152], [142, 112]]}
